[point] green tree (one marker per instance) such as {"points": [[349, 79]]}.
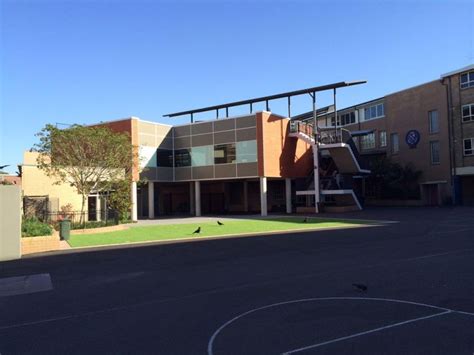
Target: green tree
{"points": [[88, 158]]}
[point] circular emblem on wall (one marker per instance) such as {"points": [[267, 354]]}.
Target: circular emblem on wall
{"points": [[412, 138]]}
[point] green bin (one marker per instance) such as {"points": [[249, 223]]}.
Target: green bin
{"points": [[64, 229]]}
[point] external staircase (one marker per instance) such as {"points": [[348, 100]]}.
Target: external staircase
{"points": [[339, 146]]}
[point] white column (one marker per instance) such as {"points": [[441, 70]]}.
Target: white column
{"points": [[246, 196], [134, 201], [97, 208], [263, 196], [197, 198], [316, 177], [151, 199], [288, 195]]}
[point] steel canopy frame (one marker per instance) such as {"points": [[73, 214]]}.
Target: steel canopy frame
{"points": [[312, 91]]}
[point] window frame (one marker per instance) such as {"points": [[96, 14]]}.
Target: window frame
{"points": [[432, 144], [430, 116], [375, 109], [469, 83], [470, 116], [364, 140], [393, 152], [384, 133], [471, 140]]}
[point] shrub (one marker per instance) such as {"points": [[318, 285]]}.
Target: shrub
{"points": [[32, 227], [93, 224]]}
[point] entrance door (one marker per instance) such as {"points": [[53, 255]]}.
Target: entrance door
{"points": [[432, 195]]}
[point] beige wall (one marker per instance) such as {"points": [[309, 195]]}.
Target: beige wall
{"points": [[36, 183], [10, 222]]}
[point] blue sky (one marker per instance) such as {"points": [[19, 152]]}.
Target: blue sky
{"points": [[90, 61]]}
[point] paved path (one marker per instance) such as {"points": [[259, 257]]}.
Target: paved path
{"points": [[287, 293]]}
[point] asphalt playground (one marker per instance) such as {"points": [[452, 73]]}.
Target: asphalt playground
{"points": [[268, 294]]}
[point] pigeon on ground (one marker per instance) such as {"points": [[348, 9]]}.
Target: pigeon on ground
{"points": [[197, 231], [305, 220], [360, 287], [220, 223]]}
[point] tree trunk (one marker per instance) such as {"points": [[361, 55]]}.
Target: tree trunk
{"points": [[82, 219]]}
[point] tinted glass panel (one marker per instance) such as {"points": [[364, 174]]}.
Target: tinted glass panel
{"points": [[182, 157], [202, 156], [224, 153], [164, 158], [246, 151]]}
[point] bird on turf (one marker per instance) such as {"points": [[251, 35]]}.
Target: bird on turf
{"points": [[305, 220], [360, 287], [197, 231], [220, 223]]}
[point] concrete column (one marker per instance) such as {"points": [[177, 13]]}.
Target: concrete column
{"points": [[197, 198], [316, 175], [246, 196], [191, 199], [97, 208], [134, 212], [151, 199], [288, 195], [263, 196]]}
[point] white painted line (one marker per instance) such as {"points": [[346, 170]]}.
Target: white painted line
{"points": [[212, 339], [364, 333]]}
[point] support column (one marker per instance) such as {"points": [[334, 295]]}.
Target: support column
{"points": [[263, 196], [97, 208], [288, 195], [191, 198], [197, 198], [316, 177], [246, 196], [134, 207], [151, 199]]}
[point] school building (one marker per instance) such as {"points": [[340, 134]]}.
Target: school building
{"points": [[264, 162]]}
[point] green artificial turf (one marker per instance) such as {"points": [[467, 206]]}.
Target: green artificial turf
{"points": [[180, 231]]}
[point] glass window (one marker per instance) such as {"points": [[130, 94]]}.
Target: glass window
{"points": [[434, 147], [224, 153], [467, 80], [374, 111], [383, 139], [379, 110], [182, 157], [394, 143], [246, 151], [468, 113], [202, 156], [164, 158], [469, 146], [368, 141], [434, 124]]}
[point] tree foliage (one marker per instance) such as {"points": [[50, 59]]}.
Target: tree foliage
{"points": [[392, 180], [89, 158]]}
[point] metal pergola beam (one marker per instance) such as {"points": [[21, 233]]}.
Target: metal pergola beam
{"points": [[268, 98]]}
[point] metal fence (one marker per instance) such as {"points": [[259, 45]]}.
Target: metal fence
{"points": [[78, 219]]}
